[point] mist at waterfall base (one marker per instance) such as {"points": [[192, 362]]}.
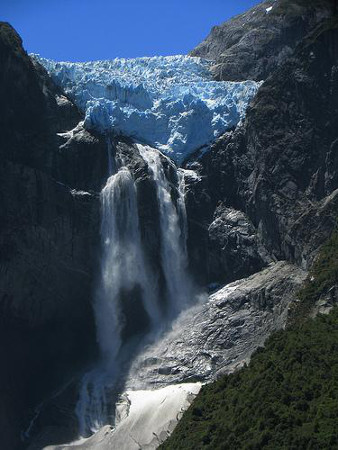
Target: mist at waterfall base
{"points": [[130, 309]]}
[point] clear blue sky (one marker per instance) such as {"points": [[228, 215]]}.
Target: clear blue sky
{"points": [[83, 30]]}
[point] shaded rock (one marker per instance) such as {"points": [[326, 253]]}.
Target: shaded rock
{"points": [[234, 250], [49, 237], [200, 208], [81, 160], [280, 166], [223, 243], [47, 332], [47, 232], [254, 44]]}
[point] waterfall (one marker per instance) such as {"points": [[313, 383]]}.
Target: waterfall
{"points": [[124, 273], [173, 231], [127, 304]]}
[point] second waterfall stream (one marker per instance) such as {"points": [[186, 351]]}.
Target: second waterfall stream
{"points": [[126, 278]]}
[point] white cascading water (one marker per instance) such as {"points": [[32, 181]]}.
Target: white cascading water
{"points": [[124, 268], [173, 231]]}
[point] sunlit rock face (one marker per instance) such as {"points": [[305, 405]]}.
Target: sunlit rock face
{"points": [[171, 103], [219, 335]]}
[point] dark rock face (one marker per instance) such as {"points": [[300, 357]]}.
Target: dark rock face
{"points": [[223, 244], [200, 208], [81, 159], [49, 236], [36, 118], [280, 167], [234, 251], [252, 45]]}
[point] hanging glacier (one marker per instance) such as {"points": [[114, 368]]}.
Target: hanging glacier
{"points": [[170, 103]]}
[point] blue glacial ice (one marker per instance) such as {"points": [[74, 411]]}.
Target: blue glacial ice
{"points": [[170, 103]]}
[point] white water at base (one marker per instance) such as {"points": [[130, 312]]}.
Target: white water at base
{"points": [[144, 419], [124, 270]]}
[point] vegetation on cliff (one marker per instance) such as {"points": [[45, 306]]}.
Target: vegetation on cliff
{"points": [[321, 280], [288, 395]]}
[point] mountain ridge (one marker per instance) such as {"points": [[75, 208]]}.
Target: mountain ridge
{"points": [[253, 44]]}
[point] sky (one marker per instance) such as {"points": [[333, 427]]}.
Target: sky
{"points": [[85, 30]]}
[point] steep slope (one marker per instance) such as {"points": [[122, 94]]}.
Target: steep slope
{"points": [[279, 168], [252, 45], [48, 236], [287, 396]]}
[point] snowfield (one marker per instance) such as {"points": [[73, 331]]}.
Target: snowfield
{"points": [[170, 103]]}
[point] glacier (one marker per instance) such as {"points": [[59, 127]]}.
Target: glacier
{"points": [[171, 103]]}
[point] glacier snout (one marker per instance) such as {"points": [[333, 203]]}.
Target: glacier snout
{"points": [[170, 103]]}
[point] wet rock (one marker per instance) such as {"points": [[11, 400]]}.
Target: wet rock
{"points": [[222, 333]]}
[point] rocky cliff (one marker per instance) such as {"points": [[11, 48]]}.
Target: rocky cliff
{"points": [[252, 45], [279, 169], [49, 216]]}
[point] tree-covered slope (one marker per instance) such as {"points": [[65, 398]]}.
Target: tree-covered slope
{"points": [[287, 398]]}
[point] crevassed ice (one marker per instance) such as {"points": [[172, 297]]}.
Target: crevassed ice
{"points": [[170, 103]]}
